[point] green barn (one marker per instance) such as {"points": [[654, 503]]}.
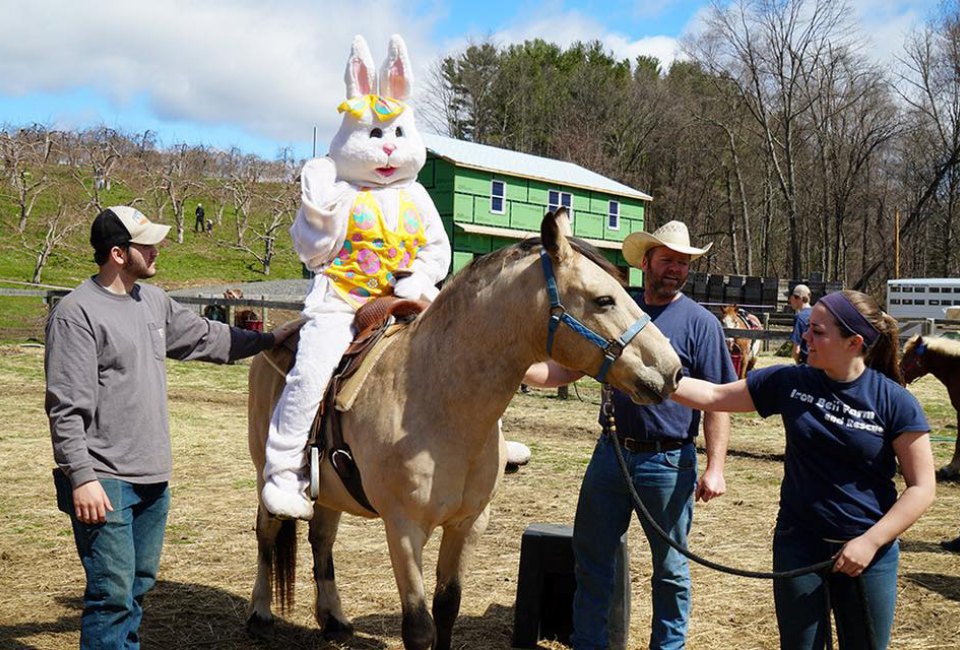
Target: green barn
{"points": [[490, 198]]}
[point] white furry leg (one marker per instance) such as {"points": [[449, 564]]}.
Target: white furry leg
{"points": [[322, 342]]}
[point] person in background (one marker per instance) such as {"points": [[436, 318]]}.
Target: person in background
{"points": [[200, 225], [849, 423], [799, 300], [658, 446], [106, 392]]}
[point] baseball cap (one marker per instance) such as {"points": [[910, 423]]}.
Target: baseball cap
{"points": [[121, 225], [800, 291]]}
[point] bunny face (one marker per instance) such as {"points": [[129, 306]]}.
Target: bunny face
{"points": [[368, 151], [378, 143]]}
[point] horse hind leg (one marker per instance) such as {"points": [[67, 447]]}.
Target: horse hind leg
{"points": [[276, 562], [456, 548], [329, 612]]}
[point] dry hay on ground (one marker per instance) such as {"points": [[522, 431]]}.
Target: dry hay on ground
{"points": [[208, 564]]}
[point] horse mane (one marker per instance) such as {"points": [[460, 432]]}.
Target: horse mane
{"points": [[524, 247], [460, 290], [939, 344]]}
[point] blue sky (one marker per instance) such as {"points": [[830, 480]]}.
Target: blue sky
{"points": [[260, 74]]}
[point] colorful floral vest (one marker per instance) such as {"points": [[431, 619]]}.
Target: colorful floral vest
{"points": [[365, 267]]}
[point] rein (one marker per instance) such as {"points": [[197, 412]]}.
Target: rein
{"points": [[611, 348]]}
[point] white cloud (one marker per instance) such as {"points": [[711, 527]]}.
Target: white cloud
{"points": [[886, 24], [567, 27], [274, 69]]}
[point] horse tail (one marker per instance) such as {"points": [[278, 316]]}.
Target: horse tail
{"points": [[285, 564]]}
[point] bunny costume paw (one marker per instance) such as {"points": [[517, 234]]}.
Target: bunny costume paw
{"points": [[415, 287], [286, 502]]}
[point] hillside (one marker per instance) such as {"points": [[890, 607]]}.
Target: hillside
{"points": [[202, 259]]}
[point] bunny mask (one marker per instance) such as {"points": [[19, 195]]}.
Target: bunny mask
{"points": [[378, 144]]}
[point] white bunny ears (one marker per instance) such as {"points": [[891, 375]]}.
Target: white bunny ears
{"points": [[396, 75]]}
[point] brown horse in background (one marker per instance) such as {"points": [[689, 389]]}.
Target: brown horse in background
{"points": [[423, 429], [939, 357], [743, 351]]}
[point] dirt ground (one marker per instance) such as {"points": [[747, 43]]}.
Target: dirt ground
{"points": [[208, 564]]}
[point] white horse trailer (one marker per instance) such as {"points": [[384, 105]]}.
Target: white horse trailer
{"points": [[922, 297]]}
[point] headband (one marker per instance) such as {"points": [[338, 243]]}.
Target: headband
{"points": [[850, 317], [383, 108]]}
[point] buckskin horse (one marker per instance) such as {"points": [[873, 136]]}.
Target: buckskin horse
{"points": [[423, 429], [743, 351], [939, 357]]}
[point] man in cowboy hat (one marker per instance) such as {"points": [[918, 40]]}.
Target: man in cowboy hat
{"points": [[658, 445]]}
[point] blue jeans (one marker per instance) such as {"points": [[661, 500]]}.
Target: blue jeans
{"points": [[861, 610], [666, 483], [120, 558]]}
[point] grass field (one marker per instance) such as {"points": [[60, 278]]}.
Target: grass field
{"points": [[208, 566]]}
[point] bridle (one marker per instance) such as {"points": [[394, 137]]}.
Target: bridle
{"points": [[915, 363], [611, 348]]}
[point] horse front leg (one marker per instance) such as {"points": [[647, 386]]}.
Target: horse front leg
{"points": [[406, 539], [456, 547], [329, 613], [951, 471]]}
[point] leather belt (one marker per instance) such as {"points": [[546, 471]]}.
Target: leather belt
{"points": [[650, 446]]}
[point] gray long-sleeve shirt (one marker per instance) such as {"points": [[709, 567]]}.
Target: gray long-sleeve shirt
{"points": [[106, 380]]}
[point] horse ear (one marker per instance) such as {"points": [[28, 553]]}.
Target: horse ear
{"points": [[554, 230]]}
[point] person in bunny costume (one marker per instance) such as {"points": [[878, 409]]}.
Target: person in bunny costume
{"points": [[367, 228]]}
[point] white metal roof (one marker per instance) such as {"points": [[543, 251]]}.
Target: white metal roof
{"points": [[512, 233], [514, 163], [933, 282]]}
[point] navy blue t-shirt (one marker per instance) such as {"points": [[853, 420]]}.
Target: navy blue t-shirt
{"points": [[800, 324], [839, 462], [697, 338]]}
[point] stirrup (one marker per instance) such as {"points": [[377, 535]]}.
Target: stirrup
{"points": [[315, 457]]}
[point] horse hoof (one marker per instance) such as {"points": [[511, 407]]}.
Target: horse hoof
{"points": [[337, 631], [260, 627], [948, 474]]}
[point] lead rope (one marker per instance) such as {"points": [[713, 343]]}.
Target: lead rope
{"points": [[610, 429]]}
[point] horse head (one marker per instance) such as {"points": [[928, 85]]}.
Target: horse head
{"points": [[729, 318], [912, 365], [595, 326]]}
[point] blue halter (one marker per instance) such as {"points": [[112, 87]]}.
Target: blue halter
{"points": [[611, 349]]}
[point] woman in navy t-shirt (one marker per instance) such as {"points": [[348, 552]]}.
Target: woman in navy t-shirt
{"points": [[848, 421]]}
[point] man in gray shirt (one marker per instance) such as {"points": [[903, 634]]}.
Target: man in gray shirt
{"points": [[107, 402]]}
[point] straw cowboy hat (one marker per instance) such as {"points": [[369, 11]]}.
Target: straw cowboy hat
{"points": [[673, 235]]}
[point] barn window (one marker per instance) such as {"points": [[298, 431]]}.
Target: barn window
{"points": [[497, 194], [613, 215], [558, 199]]}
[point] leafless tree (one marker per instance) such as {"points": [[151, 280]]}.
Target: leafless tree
{"points": [[768, 49], [279, 211], [26, 154], [59, 225]]}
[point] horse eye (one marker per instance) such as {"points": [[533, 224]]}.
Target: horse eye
{"points": [[605, 301], [399, 132], [376, 133]]}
